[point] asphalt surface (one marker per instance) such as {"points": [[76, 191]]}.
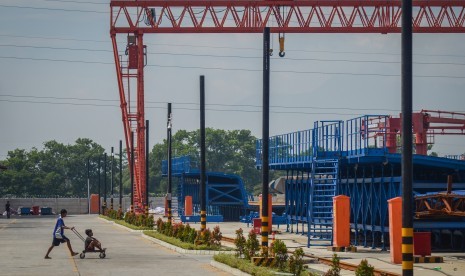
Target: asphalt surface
{"points": [[25, 240]]}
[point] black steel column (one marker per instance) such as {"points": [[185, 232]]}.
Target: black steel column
{"points": [[112, 177], [170, 179], [99, 197], [88, 185], [265, 135], [132, 172], [407, 167], [203, 190], [104, 183], [120, 175], [147, 151]]}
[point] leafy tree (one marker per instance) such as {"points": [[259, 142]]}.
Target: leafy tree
{"points": [[57, 170], [226, 151], [61, 170], [240, 243], [19, 175]]}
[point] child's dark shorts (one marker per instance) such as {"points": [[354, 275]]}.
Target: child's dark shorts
{"points": [[56, 242]]}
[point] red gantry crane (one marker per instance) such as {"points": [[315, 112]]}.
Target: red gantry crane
{"points": [[133, 19]]}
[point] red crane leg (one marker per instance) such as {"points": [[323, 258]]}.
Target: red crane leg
{"points": [[133, 114]]}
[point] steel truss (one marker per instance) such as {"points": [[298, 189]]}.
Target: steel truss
{"points": [[440, 205], [305, 16]]}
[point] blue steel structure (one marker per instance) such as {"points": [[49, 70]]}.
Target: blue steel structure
{"points": [[352, 158], [226, 195]]}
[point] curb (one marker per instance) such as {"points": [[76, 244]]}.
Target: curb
{"points": [[127, 228], [182, 250], [106, 220], [121, 226], [228, 269]]}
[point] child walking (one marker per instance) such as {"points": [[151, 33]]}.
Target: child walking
{"points": [[58, 235]]}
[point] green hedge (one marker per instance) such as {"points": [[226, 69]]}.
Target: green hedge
{"points": [[139, 220], [186, 237], [128, 225], [187, 234], [176, 242]]}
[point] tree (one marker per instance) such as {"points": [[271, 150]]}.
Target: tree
{"points": [[76, 164], [226, 151], [61, 170], [19, 175], [57, 170]]}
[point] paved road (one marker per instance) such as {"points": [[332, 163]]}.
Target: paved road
{"points": [[25, 240]]}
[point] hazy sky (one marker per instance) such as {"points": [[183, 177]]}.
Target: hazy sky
{"points": [[58, 80]]}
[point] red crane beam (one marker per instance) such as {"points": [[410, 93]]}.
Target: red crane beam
{"points": [[300, 16], [134, 18]]}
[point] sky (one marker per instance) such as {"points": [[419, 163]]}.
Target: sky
{"points": [[58, 79]]}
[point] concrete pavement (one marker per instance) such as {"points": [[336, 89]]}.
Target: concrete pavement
{"points": [[25, 240]]}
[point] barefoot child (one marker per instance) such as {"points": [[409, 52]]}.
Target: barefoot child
{"points": [[58, 235], [91, 242]]}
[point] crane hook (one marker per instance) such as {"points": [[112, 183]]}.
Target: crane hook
{"points": [[281, 45]]}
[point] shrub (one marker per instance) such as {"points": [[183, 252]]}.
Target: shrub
{"points": [[335, 269], [185, 233], [240, 242], [130, 217], [216, 236], [192, 235], [203, 237], [150, 221], [140, 220], [167, 229], [279, 252], [252, 246], [120, 214], [159, 225], [111, 213], [364, 269], [296, 263], [178, 230]]}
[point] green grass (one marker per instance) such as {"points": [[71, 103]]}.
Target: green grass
{"points": [[248, 267], [181, 244], [122, 222], [243, 265]]}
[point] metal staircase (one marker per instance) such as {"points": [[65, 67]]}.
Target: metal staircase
{"points": [[327, 146], [323, 189]]}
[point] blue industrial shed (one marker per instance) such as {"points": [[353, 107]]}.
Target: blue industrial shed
{"points": [[226, 195], [352, 158]]}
